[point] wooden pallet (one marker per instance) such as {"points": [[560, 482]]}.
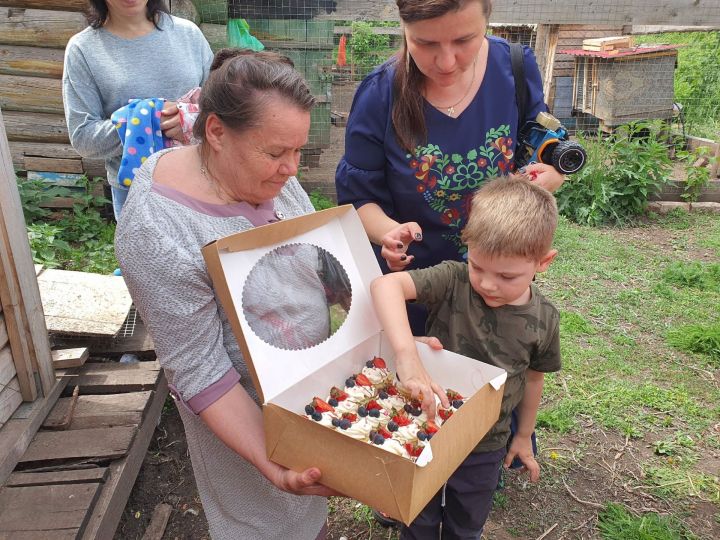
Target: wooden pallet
{"points": [[74, 479], [607, 44]]}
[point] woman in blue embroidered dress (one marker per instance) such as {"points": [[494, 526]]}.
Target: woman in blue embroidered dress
{"points": [[428, 127]]}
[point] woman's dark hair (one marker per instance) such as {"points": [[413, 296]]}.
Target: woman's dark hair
{"points": [[97, 12], [407, 112], [242, 82]]}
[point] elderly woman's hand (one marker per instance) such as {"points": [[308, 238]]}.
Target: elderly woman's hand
{"points": [[545, 175], [395, 244], [170, 122], [304, 483]]}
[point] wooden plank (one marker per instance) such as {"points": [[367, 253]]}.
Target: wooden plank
{"points": [[73, 476], [47, 509], [109, 507], [30, 94], [139, 342], [158, 522], [65, 358], [16, 434], [668, 12], [63, 422], [60, 5], [36, 127], [84, 304], [31, 61], [3, 331], [24, 155], [10, 399], [109, 443], [39, 28], [104, 410], [110, 378], [607, 43], [7, 366], [17, 278], [54, 165]]}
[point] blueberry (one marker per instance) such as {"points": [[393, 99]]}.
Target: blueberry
{"points": [[369, 364], [350, 382], [332, 402], [422, 436], [392, 426], [429, 436], [416, 412], [457, 403], [345, 423], [383, 394], [374, 413], [316, 416], [408, 408], [378, 439], [335, 422], [309, 409], [362, 411]]}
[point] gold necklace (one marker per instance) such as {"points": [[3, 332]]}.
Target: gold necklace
{"points": [[450, 111]]}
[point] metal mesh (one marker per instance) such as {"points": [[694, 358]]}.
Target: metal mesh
{"points": [[128, 327]]}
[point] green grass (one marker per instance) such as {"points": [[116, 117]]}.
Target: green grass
{"points": [[697, 338], [615, 522]]}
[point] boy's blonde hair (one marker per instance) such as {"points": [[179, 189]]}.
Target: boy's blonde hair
{"points": [[511, 216]]}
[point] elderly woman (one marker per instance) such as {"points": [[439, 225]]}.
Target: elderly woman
{"points": [[255, 117]]}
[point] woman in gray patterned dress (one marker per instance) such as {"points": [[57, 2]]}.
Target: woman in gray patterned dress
{"points": [[255, 117]]}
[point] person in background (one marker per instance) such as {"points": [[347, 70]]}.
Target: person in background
{"points": [[254, 119], [131, 49], [427, 128], [488, 309]]}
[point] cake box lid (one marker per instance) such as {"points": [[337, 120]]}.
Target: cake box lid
{"points": [[239, 262]]}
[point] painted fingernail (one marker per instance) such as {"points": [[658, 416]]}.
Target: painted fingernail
{"points": [[418, 236], [399, 245], [403, 257]]}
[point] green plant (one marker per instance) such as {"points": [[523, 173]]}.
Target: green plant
{"points": [[622, 171], [697, 177], [320, 201], [616, 522], [367, 49], [697, 338], [33, 193]]}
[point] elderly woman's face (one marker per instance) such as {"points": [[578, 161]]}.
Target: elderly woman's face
{"points": [[259, 161], [445, 47]]}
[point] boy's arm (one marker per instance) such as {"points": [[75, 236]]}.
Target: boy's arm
{"points": [[390, 292], [521, 445]]}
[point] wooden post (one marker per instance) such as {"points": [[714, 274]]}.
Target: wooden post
{"points": [[19, 290], [545, 45]]}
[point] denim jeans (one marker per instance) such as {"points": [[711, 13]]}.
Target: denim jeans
{"points": [[119, 194]]}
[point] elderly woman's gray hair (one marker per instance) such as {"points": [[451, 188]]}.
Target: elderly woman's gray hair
{"points": [[242, 82]]}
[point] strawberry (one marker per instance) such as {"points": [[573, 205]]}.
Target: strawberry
{"points": [[413, 449], [379, 363], [362, 380], [445, 414], [453, 395], [391, 390], [350, 416], [338, 394], [430, 427], [321, 406], [401, 419], [372, 404], [384, 432]]}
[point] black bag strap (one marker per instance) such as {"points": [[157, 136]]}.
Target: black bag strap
{"points": [[518, 68]]}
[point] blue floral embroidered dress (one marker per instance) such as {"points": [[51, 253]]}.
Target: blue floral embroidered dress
{"points": [[434, 185]]}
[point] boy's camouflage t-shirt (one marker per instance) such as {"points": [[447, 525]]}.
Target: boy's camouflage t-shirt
{"points": [[514, 338]]}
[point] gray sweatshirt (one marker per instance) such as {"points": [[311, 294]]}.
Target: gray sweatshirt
{"points": [[103, 71]]}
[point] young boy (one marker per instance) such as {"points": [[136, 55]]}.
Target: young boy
{"points": [[488, 309]]}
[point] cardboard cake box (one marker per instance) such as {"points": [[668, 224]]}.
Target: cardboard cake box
{"points": [[287, 376]]}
